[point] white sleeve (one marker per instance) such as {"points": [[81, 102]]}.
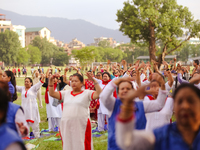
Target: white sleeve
{"points": [[155, 105], [63, 93], [142, 76], [145, 83], [169, 106], [129, 139], [167, 87], [37, 86], [20, 118], [90, 95], [99, 81], [14, 146], [19, 88], [107, 97]]}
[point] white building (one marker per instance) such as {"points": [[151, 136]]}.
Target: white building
{"points": [[20, 30]]}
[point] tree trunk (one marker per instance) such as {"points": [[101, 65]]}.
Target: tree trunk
{"points": [[161, 57], [152, 42]]}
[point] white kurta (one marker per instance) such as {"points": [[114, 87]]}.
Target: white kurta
{"points": [[160, 118], [52, 111], [29, 102], [75, 124]]}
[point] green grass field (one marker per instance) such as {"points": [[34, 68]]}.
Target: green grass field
{"points": [[99, 143]]}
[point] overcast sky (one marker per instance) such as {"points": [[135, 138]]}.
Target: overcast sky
{"points": [[99, 12]]}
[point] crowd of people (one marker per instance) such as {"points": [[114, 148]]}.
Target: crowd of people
{"points": [[143, 106]]}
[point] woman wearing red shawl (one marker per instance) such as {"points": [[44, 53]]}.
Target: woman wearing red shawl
{"points": [[102, 111], [54, 113]]}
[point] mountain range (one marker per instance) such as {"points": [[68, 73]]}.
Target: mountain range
{"points": [[65, 30]]}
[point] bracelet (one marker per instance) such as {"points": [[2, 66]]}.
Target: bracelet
{"points": [[50, 85]]}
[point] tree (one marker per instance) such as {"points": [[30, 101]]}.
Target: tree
{"points": [[85, 55], [22, 56], [157, 22], [104, 44], [195, 50], [47, 49], [9, 46], [60, 58], [35, 54]]}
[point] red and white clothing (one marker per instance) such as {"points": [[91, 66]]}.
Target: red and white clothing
{"points": [[30, 106], [90, 86], [160, 118], [75, 123]]}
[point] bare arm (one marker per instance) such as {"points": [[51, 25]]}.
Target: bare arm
{"points": [[53, 93]]}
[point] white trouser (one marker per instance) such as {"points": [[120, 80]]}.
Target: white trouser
{"points": [[53, 122], [101, 121], [36, 128], [39, 97]]}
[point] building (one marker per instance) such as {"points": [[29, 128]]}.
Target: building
{"points": [[20, 30], [52, 40], [75, 44], [73, 62], [31, 33], [5, 24], [112, 42], [168, 58]]}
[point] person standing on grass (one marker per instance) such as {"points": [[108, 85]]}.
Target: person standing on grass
{"points": [[19, 72], [10, 140], [54, 113], [75, 125], [9, 77], [36, 79], [29, 103]]}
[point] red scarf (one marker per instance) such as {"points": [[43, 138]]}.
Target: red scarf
{"points": [[150, 97], [105, 82], [46, 93]]}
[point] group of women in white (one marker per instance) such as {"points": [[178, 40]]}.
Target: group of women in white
{"points": [[137, 104]]}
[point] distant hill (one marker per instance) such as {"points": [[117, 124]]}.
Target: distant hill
{"points": [[64, 29]]}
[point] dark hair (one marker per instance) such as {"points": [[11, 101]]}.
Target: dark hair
{"points": [[30, 80], [13, 81], [122, 82], [160, 75], [197, 62], [187, 85], [107, 74], [80, 77], [4, 86], [3, 104], [99, 72]]}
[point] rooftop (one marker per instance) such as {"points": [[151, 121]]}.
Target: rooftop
{"points": [[147, 57], [34, 29]]}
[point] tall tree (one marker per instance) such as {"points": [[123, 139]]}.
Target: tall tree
{"points": [[195, 50], [104, 44], [35, 54], [85, 55], [9, 46], [60, 58], [154, 22], [47, 49], [23, 56]]}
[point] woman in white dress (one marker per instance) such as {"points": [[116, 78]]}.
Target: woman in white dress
{"points": [[75, 124], [29, 103]]}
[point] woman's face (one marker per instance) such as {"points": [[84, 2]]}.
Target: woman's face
{"points": [[124, 87], [99, 76], [5, 77], [187, 108], [155, 86], [105, 77], [27, 83], [76, 83]]}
